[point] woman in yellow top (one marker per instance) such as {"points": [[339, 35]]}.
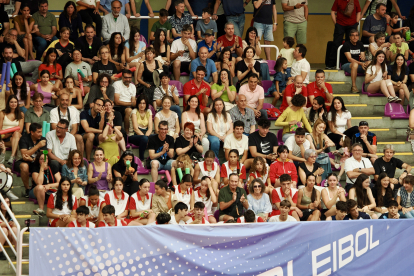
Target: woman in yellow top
{"points": [[293, 117], [109, 140]]}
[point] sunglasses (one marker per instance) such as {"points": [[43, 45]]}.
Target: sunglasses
{"points": [[257, 186]]}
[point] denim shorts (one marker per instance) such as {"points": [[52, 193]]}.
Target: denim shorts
{"points": [[167, 165], [347, 68], [264, 29]]}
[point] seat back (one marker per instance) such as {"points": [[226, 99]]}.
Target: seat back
{"points": [[279, 137], [266, 84], [179, 87], [271, 64], [153, 111], [395, 111], [152, 188]]}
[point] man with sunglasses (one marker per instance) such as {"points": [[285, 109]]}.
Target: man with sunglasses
{"points": [[356, 165], [367, 139]]}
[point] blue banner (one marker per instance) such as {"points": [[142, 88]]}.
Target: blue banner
{"points": [[365, 247]]}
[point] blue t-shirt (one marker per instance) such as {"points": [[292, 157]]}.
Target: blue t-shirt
{"points": [[375, 26], [141, 46], [210, 66], [233, 7], [361, 215], [198, 5], [92, 122], [202, 43], [107, 5], [397, 78], [202, 27]]}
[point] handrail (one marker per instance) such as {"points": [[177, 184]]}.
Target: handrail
{"points": [[271, 46], [359, 23], [132, 17], [19, 257], [338, 53], [18, 241]]}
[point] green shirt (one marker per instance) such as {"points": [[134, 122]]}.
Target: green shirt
{"points": [[157, 25], [45, 23], [224, 96], [31, 116], [225, 195]]}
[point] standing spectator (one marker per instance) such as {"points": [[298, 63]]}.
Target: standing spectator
{"points": [[409, 23], [371, 6], [103, 66], [36, 113], [240, 112], [264, 10], [234, 11], [183, 51], [46, 26], [207, 63], [356, 165], [33, 5], [345, 19], [206, 24], [89, 12], [24, 25], [69, 18], [72, 70], [125, 96], [237, 141], [263, 143], [232, 199], [247, 66], [198, 88], [115, 22], [376, 23], [180, 19], [103, 89], [89, 44], [320, 88], [230, 39], [136, 9], [295, 19], [254, 95], [300, 65], [163, 24]]}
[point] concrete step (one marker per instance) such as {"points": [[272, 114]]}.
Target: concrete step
{"points": [[7, 270], [25, 251]]}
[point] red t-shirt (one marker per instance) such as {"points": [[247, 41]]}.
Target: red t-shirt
{"points": [[191, 89], [51, 70], [313, 90], [290, 92], [227, 43], [339, 6]]}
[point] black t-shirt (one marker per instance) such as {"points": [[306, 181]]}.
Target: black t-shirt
{"points": [[242, 67], [83, 45], [49, 175], [385, 199], [395, 77], [361, 215], [2, 45], [388, 167], [100, 68], [371, 137], [264, 145], [354, 50], [26, 142], [157, 145], [33, 5], [92, 122], [121, 168], [302, 165], [181, 142], [15, 61], [265, 14], [117, 120]]}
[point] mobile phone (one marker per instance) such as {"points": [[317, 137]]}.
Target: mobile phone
{"points": [[303, 3]]}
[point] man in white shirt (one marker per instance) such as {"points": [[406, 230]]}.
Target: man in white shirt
{"points": [[115, 22], [356, 165], [284, 213], [238, 141], [300, 65], [125, 96], [183, 51], [297, 145], [59, 143], [70, 113]]}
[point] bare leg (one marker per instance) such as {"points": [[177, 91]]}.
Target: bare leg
{"points": [[128, 112], [88, 139], [295, 215], [315, 216], [15, 142], [39, 193], [3, 238], [29, 38], [24, 173], [267, 50], [154, 170], [176, 69], [135, 223], [276, 96], [26, 46], [80, 145], [354, 72]]}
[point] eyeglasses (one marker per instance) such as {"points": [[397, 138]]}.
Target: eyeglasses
{"points": [[61, 127], [163, 128], [357, 150], [257, 186]]}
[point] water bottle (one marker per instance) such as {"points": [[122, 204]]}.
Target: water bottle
{"points": [[407, 35]]}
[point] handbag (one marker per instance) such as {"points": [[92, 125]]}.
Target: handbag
{"points": [[273, 112], [147, 91], [349, 8]]}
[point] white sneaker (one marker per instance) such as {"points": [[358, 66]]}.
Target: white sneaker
{"points": [[39, 212], [11, 195]]}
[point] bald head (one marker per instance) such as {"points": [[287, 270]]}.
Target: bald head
{"points": [[203, 53]]}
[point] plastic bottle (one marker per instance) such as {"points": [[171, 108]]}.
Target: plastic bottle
{"points": [[407, 35]]}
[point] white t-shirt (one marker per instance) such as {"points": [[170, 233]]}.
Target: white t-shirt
{"points": [[276, 219], [288, 55], [232, 143], [408, 202], [372, 70], [220, 126], [351, 164], [61, 150], [173, 221], [294, 148], [126, 93], [301, 66], [341, 120], [74, 116], [178, 45]]}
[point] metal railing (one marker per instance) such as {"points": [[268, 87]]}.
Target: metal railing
{"points": [[271, 46], [19, 259], [338, 54]]}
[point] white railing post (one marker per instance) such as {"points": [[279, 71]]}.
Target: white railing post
{"points": [[20, 252], [271, 46], [338, 53]]}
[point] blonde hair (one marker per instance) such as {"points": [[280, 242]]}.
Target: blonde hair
{"points": [[186, 160], [318, 139]]}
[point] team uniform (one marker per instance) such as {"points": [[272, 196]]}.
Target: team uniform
{"points": [[136, 202], [77, 224], [183, 196], [173, 221], [261, 177], [120, 204], [93, 210], [51, 203], [226, 171], [207, 202], [278, 195], [257, 219], [118, 223], [205, 172]]}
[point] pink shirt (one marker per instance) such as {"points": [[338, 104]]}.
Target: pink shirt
{"points": [[252, 97]]}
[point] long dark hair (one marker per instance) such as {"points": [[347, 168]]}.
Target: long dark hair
{"points": [[46, 59], [121, 164], [388, 191], [198, 111], [313, 196], [145, 98], [142, 181], [312, 113], [23, 88], [7, 215], [225, 49], [18, 115], [228, 77], [113, 48], [59, 194], [214, 112], [360, 192], [333, 110], [279, 64], [65, 13], [157, 42], [132, 41], [383, 64], [395, 67], [236, 151], [247, 39]]}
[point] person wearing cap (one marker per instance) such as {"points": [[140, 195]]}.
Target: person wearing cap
{"points": [[210, 44], [367, 139], [167, 90], [356, 165], [207, 63]]}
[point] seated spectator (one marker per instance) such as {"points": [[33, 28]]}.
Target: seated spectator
{"points": [[103, 89], [282, 165], [237, 141], [392, 211], [19, 87], [232, 199], [125, 96], [46, 88], [367, 139], [161, 200], [117, 51], [353, 211], [82, 213], [126, 8], [209, 167], [295, 88], [362, 194], [293, 117], [263, 143], [205, 23], [24, 35], [318, 111], [247, 67], [341, 211], [331, 195], [398, 48], [145, 75], [44, 178], [127, 173], [30, 144], [405, 198], [249, 217], [297, 145], [140, 126], [300, 65], [89, 45], [224, 89], [161, 150], [183, 192], [34, 7], [284, 211], [231, 40], [188, 143], [135, 53], [199, 88], [140, 212], [353, 59], [76, 171], [115, 22], [99, 172], [61, 205], [205, 62], [59, 143], [241, 113], [183, 51], [36, 113], [69, 18], [320, 88], [180, 214], [45, 26], [253, 41], [165, 114], [356, 165], [226, 61], [259, 169], [89, 13], [64, 49], [183, 163], [285, 191], [310, 166], [75, 94], [255, 96], [118, 198], [78, 64], [192, 114], [109, 218], [103, 66], [109, 140], [339, 120], [383, 193], [309, 200], [375, 23], [198, 217], [379, 44], [281, 79], [258, 200], [321, 143], [211, 45], [162, 24], [233, 166], [179, 20], [10, 117], [398, 74], [162, 49], [409, 23], [165, 89]]}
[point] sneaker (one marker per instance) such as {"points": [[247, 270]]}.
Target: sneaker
{"points": [[337, 166], [39, 212], [10, 161], [397, 100], [11, 195], [26, 193], [390, 99], [354, 89]]}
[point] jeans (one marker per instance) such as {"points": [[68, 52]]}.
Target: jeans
{"points": [[40, 44], [408, 215], [88, 17], [264, 71], [238, 22], [347, 68], [338, 37], [264, 29], [31, 67], [215, 144], [141, 141]]}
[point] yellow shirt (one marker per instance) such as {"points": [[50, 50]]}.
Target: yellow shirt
{"points": [[290, 115]]}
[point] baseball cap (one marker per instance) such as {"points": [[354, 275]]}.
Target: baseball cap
{"points": [[209, 32]]}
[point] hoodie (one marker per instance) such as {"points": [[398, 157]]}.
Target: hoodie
{"points": [[278, 167]]}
